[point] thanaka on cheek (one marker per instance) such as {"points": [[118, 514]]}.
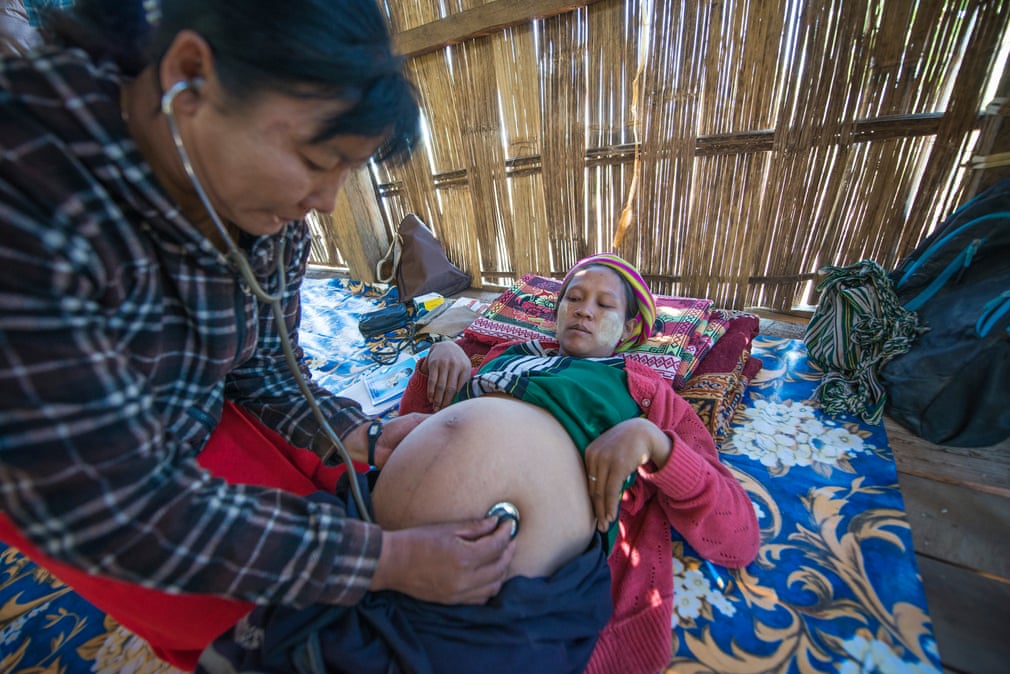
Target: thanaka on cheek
{"points": [[609, 331], [606, 334]]}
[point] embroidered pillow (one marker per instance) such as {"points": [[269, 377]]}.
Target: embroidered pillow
{"points": [[685, 330]]}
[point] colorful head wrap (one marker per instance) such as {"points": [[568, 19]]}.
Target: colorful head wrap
{"points": [[646, 302]]}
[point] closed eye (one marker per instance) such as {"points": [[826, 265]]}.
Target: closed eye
{"points": [[319, 168], [313, 166]]}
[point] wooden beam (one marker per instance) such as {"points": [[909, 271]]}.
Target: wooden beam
{"points": [[357, 226], [864, 130], [994, 140], [478, 21]]}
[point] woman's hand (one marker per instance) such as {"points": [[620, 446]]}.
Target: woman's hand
{"points": [[448, 369], [615, 455], [393, 432], [459, 563]]}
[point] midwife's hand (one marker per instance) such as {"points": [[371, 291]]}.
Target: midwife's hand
{"points": [[393, 432], [458, 563], [614, 455], [448, 369]]}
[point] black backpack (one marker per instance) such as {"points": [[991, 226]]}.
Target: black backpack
{"points": [[953, 386]]}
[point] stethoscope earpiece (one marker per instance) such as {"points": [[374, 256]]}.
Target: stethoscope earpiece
{"points": [[168, 98]]}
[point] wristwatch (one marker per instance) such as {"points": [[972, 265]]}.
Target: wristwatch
{"points": [[374, 431]]}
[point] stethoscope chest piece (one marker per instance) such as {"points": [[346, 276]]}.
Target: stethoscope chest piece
{"points": [[506, 511]]}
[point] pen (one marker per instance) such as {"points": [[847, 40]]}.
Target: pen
{"points": [[720, 582]]}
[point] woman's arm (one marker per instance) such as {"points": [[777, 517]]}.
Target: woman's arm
{"points": [[447, 369], [90, 470], [616, 454], [264, 384], [438, 378], [678, 467], [699, 495]]}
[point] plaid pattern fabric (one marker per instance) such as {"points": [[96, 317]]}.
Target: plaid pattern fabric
{"points": [[122, 331], [685, 328]]}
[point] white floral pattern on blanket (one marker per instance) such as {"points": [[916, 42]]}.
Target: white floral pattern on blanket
{"points": [[835, 588]]}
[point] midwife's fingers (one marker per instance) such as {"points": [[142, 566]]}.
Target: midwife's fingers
{"points": [[456, 563]]}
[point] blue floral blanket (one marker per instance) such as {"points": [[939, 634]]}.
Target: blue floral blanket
{"points": [[835, 588]]}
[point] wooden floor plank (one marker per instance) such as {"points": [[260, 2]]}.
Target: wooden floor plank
{"points": [[970, 614], [985, 469], [960, 525]]}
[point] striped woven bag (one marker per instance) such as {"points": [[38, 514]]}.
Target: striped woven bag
{"points": [[858, 325]]}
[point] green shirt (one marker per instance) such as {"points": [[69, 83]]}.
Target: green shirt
{"points": [[587, 396]]}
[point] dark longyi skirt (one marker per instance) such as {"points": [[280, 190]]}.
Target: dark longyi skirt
{"points": [[533, 625]]}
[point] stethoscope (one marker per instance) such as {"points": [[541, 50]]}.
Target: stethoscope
{"points": [[273, 299]]}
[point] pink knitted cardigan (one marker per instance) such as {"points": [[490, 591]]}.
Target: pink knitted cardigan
{"points": [[694, 493]]}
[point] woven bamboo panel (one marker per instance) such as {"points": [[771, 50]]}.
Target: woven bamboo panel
{"points": [[729, 149]]}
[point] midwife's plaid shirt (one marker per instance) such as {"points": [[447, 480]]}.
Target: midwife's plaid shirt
{"points": [[122, 331]]}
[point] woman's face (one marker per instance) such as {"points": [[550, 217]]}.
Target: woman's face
{"points": [[591, 314], [258, 163]]}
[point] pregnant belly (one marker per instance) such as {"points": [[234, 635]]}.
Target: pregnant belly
{"points": [[469, 456]]}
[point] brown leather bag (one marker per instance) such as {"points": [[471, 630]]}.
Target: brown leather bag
{"points": [[417, 262]]}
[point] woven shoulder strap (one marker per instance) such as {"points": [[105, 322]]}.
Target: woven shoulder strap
{"points": [[385, 268]]}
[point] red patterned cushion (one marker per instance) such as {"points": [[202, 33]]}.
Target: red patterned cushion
{"points": [[685, 330]]}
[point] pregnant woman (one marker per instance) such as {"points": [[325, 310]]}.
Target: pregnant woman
{"points": [[567, 431]]}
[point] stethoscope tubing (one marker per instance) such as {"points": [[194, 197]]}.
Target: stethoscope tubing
{"points": [[248, 278]]}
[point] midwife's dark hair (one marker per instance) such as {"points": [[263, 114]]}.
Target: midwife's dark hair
{"points": [[306, 48], [631, 302]]}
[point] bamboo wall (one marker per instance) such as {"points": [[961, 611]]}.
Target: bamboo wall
{"points": [[740, 145]]}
